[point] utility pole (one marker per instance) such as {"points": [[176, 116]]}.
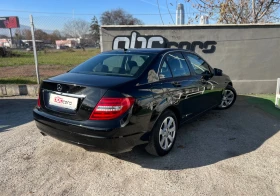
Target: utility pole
{"points": [[34, 49], [11, 38]]}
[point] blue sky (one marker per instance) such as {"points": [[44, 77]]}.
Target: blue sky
{"points": [[51, 14]]}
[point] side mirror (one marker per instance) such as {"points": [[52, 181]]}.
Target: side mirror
{"points": [[218, 72]]}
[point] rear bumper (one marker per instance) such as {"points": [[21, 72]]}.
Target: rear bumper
{"points": [[109, 141]]}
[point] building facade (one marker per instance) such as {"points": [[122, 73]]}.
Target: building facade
{"points": [[249, 53]]}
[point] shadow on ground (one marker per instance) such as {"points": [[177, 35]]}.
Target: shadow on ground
{"points": [[214, 137], [15, 112]]}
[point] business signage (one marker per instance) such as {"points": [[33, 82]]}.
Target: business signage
{"points": [[135, 40], [9, 22]]}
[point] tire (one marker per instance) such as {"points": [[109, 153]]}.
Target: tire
{"points": [[163, 134], [228, 98]]}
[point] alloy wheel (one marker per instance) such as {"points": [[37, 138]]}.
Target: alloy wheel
{"points": [[227, 99], [167, 133]]}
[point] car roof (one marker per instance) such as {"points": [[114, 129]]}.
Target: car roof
{"points": [[143, 50]]}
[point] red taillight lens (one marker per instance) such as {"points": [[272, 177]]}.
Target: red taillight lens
{"points": [[38, 101], [110, 108]]}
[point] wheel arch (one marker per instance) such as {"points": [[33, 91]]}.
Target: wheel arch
{"points": [[153, 136], [176, 112], [155, 116]]}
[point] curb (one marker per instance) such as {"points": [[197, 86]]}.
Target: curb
{"points": [[18, 89]]}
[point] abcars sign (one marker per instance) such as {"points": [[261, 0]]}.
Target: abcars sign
{"points": [[9, 22], [135, 40]]}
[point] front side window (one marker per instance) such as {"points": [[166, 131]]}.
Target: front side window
{"points": [[198, 64], [177, 64], [129, 65]]}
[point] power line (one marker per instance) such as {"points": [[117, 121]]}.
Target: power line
{"points": [[160, 13], [68, 13], [169, 12]]}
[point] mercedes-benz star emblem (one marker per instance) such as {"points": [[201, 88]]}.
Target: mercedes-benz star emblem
{"points": [[59, 87]]}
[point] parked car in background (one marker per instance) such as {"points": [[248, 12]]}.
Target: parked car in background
{"points": [[124, 98], [49, 46], [63, 47], [30, 48], [77, 47]]}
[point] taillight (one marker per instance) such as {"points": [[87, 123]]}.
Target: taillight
{"points": [[110, 108], [38, 101]]}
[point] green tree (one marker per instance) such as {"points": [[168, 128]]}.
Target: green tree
{"points": [[41, 35], [57, 34], [118, 17], [94, 29]]}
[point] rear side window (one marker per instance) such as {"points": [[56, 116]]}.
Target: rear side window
{"points": [[129, 65], [165, 71], [177, 64]]}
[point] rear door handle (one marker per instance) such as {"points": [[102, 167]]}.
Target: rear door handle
{"points": [[176, 84]]}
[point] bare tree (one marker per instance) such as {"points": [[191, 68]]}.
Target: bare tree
{"points": [[248, 11], [76, 28], [236, 11], [26, 34], [118, 17]]}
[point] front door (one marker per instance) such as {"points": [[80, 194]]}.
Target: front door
{"points": [[181, 84], [212, 94]]}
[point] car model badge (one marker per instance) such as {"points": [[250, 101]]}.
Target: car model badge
{"points": [[59, 87]]}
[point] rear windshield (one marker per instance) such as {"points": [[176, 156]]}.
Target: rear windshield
{"points": [[129, 65]]}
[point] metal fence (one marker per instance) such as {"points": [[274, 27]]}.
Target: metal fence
{"points": [[61, 43]]}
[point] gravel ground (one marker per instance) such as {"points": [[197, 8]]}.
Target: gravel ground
{"points": [[232, 152]]}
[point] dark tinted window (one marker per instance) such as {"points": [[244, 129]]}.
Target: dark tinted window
{"points": [[140, 60], [177, 64], [198, 64], [165, 71], [115, 64], [113, 61]]}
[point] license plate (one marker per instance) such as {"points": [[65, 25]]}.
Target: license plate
{"points": [[63, 101]]}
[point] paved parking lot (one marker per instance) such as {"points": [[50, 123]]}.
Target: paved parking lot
{"points": [[232, 152]]}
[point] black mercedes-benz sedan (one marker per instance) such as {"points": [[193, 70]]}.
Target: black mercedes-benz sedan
{"points": [[124, 98]]}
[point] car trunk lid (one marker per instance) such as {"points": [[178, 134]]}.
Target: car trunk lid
{"points": [[74, 96]]}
